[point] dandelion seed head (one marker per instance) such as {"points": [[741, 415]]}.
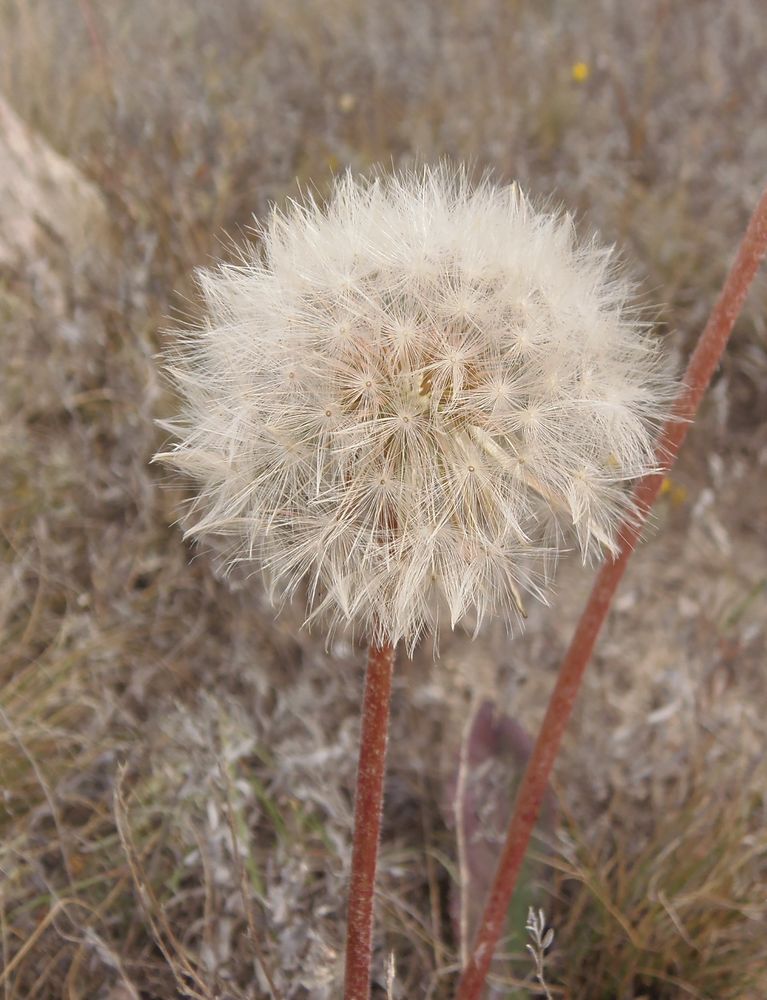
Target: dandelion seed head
{"points": [[409, 398]]}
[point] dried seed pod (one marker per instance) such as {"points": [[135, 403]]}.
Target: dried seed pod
{"points": [[405, 401]]}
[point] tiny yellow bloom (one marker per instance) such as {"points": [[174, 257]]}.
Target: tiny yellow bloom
{"points": [[677, 494], [347, 102], [581, 71]]}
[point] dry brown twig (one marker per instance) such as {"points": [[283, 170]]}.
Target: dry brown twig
{"points": [[187, 979], [243, 884]]}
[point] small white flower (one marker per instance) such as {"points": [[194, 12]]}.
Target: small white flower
{"points": [[403, 401]]}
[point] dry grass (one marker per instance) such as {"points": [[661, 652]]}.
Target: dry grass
{"points": [[118, 649], [677, 910]]}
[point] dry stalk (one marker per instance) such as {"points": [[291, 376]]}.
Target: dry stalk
{"points": [[243, 884], [172, 950]]}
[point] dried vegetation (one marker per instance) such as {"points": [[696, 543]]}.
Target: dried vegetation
{"points": [[217, 858]]}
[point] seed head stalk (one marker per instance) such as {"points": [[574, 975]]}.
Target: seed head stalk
{"points": [[700, 370], [399, 404], [367, 820]]}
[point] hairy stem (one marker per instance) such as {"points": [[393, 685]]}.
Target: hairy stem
{"points": [[700, 369], [367, 820]]}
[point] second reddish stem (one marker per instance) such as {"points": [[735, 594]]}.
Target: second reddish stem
{"points": [[700, 369]]}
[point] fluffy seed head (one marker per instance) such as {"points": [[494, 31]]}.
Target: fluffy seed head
{"points": [[405, 401]]}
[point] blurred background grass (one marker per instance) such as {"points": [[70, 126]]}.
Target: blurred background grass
{"points": [[182, 120]]}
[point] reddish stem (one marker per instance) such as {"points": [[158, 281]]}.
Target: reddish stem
{"points": [[94, 34], [367, 820], [700, 369]]}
